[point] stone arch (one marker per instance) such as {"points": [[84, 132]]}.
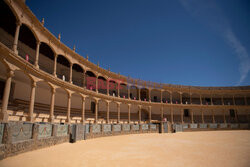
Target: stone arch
{"points": [[134, 92], [123, 90], [102, 85], [113, 86], [46, 58], [185, 98], [63, 68], [77, 75], [8, 19], [155, 95], [90, 80], [176, 97], [144, 92], [27, 42]]}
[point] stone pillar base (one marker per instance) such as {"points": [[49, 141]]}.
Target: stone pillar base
{"points": [[4, 117]]}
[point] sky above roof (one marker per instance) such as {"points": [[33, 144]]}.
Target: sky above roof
{"points": [[187, 42]]}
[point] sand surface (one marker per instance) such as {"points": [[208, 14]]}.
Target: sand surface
{"points": [[187, 149]]}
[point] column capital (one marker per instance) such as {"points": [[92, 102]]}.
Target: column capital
{"points": [[18, 23], [10, 73], [33, 84], [53, 90], [38, 42], [139, 106], [129, 104]]}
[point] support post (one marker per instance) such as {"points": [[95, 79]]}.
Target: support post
{"points": [[37, 54], [83, 110], [55, 64], [52, 103], [18, 25], [32, 101], [150, 114], [70, 72], [96, 110], [172, 115], [68, 108], [108, 111], [4, 114], [139, 107], [129, 107], [118, 111]]}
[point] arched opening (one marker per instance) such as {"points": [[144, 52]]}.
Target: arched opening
{"points": [[144, 115], [102, 85], [134, 93], [176, 97], [123, 90], [90, 80], [166, 97], [185, 98], [63, 68], [46, 58], [144, 94], [27, 44], [7, 25], [113, 86], [155, 95], [77, 75]]}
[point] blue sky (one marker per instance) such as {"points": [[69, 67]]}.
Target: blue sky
{"points": [[187, 42]]}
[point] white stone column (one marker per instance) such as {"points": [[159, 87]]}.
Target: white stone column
{"points": [[96, 84], [83, 110], [139, 94], [129, 108], [32, 102], [55, 64], [162, 114], [222, 100], [68, 108], [4, 114], [52, 103], [37, 53], [96, 110], [18, 25], [190, 98], [70, 72], [182, 113]]}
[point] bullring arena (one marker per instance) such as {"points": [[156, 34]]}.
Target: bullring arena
{"points": [[50, 96]]}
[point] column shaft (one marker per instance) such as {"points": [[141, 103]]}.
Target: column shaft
{"points": [[68, 108], [118, 112], [32, 102], [107, 112], [172, 115], [96, 111], [139, 113], [37, 54], [202, 116], [96, 85], [118, 89], [18, 25], [70, 73], [224, 116], [181, 98], [52, 103], [55, 64], [83, 110], [192, 116], [213, 116], [4, 114], [182, 110], [161, 96]]}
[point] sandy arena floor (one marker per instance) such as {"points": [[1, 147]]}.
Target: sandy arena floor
{"points": [[187, 149]]}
